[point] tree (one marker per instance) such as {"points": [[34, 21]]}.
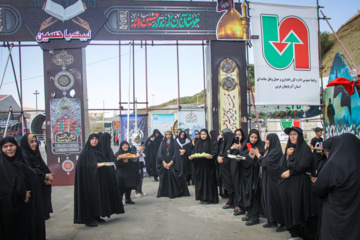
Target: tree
{"points": [[326, 43]]}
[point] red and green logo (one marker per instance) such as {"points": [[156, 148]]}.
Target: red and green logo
{"points": [[287, 123], [286, 42]]}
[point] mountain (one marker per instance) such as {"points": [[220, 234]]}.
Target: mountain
{"points": [[349, 34]]}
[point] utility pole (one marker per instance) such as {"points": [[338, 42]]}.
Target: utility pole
{"points": [[36, 93]]}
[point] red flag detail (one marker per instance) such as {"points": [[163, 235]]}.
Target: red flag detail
{"points": [[346, 83]]}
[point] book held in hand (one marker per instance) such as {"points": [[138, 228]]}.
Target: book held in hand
{"points": [[237, 157]]}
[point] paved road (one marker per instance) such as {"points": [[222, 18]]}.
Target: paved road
{"points": [[155, 218]]}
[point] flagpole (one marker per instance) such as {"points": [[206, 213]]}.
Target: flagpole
{"points": [[128, 111]]}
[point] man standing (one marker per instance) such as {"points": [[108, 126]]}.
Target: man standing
{"points": [[316, 145]]}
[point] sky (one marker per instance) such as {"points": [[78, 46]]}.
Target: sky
{"points": [[103, 66]]}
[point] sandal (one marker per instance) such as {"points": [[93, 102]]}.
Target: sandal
{"points": [[227, 206], [236, 209]]}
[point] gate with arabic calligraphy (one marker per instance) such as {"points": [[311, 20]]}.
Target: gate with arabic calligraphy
{"points": [[63, 29]]}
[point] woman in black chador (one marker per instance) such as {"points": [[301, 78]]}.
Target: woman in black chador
{"points": [[32, 156], [154, 151], [150, 169], [214, 134], [204, 170], [127, 171], [21, 205], [111, 202], [227, 140], [338, 186], [185, 148], [271, 172], [235, 168], [169, 167], [87, 194], [295, 186], [250, 191]]}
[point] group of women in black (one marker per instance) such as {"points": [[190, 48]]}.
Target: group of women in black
{"points": [[25, 190], [312, 200], [99, 187]]}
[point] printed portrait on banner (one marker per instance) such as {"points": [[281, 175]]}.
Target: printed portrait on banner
{"points": [[342, 104]]}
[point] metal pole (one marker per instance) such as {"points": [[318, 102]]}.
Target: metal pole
{"points": [[7, 122], [15, 77], [21, 93], [203, 54], [133, 55], [128, 111], [7, 61], [120, 82], [36, 93], [178, 73], [346, 52], [146, 80], [136, 127], [249, 82], [321, 68]]}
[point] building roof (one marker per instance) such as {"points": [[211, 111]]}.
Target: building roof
{"points": [[7, 101], [3, 96]]}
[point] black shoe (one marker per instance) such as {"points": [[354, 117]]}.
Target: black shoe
{"points": [[226, 206], [92, 224], [245, 219], [224, 195], [282, 228], [269, 225], [239, 212], [252, 222], [202, 202], [99, 220], [129, 201]]}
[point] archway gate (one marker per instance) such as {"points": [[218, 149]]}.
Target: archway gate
{"points": [[63, 29]]}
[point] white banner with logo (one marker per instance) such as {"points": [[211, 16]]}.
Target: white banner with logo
{"points": [[286, 58], [162, 122], [192, 120]]}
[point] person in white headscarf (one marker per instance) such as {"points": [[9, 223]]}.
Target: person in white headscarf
{"points": [[138, 149]]}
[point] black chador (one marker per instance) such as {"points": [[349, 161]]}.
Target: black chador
{"points": [[338, 186], [205, 172], [250, 191], [235, 168], [147, 151], [111, 202], [36, 162], [295, 191], [224, 167], [271, 172], [127, 171], [19, 220], [87, 194], [185, 144], [154, 151], [169, 167]]}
